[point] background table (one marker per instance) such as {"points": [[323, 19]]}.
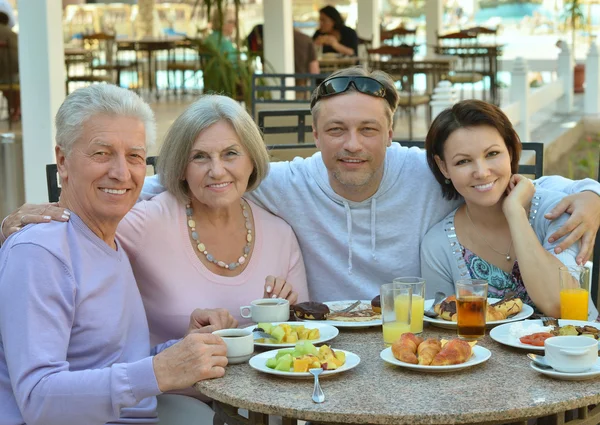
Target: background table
{"points": [[504, 389]]}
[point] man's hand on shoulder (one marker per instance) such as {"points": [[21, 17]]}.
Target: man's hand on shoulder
{"points": [[583, 224]]}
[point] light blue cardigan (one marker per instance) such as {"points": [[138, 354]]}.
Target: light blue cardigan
{"points": [[442, 260]]}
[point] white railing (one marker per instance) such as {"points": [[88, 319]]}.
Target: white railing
{"points": [[525, 102]]}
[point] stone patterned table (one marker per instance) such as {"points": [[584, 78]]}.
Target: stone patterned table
{"points": [[502, 390]]}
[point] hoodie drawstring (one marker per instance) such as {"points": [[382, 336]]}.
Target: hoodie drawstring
{"points": [[349, 229], [373, 231], [373, 227]]}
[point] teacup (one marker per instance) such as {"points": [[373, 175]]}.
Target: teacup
{"points": [[240, 344], [267, 310], [571, 354]]}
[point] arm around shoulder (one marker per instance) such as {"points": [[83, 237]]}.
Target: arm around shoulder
{"points": [[436, 266]]}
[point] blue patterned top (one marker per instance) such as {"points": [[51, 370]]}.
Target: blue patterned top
{"points": [[499, 282]]}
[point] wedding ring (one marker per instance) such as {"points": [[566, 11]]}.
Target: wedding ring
{"points": [[21, 220]]}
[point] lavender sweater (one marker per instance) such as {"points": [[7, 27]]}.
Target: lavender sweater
{"points": [[74, 342]]}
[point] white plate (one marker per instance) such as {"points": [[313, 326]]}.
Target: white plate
{"points": [[480, 355], [502, 335], [580, 376], [525, 312], [259, 361], [326, 332], [340, 305]]}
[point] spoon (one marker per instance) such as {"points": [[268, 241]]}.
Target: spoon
{"points": [[317, 396], [539, 361], [259, 333], [439, 296]]}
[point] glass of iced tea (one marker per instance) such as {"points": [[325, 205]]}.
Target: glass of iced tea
{"points": [[471, 306], [574, 292]]}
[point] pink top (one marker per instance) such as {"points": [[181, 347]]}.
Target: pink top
{"points": [[173, 281]]}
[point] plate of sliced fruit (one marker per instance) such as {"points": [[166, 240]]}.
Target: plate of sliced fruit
{"points": [[287, 334], [295, 362]]}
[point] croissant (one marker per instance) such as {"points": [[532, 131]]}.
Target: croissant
{"points": [[447, 309], [491, 314], [508, 307], [427, 350], [405, 348], [456, 351]]}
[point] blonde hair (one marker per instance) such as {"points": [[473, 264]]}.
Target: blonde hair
{"points": [[215, 19], [206, 111], [391, 99]]}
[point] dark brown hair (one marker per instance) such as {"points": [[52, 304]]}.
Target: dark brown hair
{"points": [[468, 113]]}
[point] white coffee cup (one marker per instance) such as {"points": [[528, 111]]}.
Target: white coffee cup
{"points": [[267, 310], [240, 344], [571, 354]]}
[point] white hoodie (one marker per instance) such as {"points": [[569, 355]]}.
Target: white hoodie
{"points": [[351, 248]]}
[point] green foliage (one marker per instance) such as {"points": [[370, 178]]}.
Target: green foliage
{"points": [[583, 160], [572, 16]]}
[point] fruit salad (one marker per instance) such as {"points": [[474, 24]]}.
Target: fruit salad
{"points": [[285, 333], [306, 356]]}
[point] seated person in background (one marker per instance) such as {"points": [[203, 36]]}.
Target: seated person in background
{"points": [[74, 341], [334, 35], [500, 233], [305, 56], [9, 67], [220, 37]]}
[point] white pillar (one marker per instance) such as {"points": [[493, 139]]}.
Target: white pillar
{"points": [[444, 96], [592, 81], [565, 73], [519, 92], [434, 14], [369, 21], [42, 73], [278, 36]]}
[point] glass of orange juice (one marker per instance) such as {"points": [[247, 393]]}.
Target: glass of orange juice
{"points": [[574, 292], [471, 307], [417, 301], [396, 301]]}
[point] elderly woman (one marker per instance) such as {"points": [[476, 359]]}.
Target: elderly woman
{"points": [[201, 243], [334, 35], [501, 231], [79, 351]]}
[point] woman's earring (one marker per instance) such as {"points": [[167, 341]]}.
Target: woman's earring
{"points": [[447, 181]]}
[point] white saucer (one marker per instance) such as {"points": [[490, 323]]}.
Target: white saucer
{"points": [[594, 372]]}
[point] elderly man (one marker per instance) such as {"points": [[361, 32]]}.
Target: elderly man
{"points": [[74, 341], [362, 205]]}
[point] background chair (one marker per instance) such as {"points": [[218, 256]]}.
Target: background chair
{"points": [[286, 133], [468, 69], [269, 91], [185, 58], [102, 64], [398, 62]]}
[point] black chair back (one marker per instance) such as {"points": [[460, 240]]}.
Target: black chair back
{"points": [[265, 85], [300, 129], [54, 187]]}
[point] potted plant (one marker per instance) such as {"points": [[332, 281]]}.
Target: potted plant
{"points": [[573, 19]]}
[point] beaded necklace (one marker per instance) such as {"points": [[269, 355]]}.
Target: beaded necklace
{"points": [[202, 248]]}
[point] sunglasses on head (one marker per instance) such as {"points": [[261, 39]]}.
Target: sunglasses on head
{"points": [[337, 85]]}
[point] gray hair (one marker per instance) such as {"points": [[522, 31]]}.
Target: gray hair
{"points": [[100, 99], [391, 99], [206, 111]]}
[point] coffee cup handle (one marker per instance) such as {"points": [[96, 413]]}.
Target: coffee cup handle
{"points": [[573, 352], [246, 315]]}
